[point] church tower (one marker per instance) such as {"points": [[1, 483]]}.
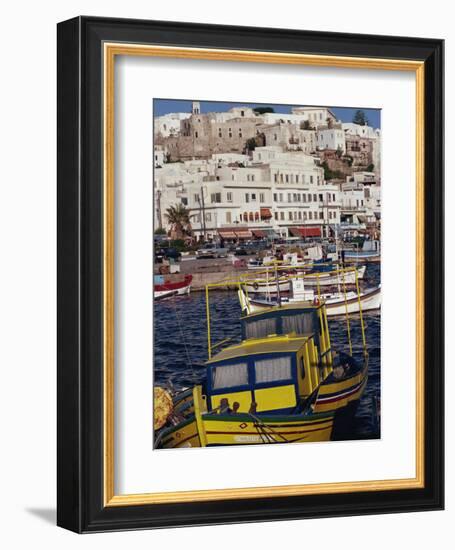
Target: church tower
{"points": [[196, 109]]}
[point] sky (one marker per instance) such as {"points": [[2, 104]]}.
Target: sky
{"points": [[345, 114]]}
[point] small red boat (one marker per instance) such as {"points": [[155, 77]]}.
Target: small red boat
{"points": [[165, 290]]}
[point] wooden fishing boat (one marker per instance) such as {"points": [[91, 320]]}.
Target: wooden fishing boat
{"points": [[319, 276], [370, 252], [282, 383], [165, 294], [337, 380], [272, 286], [167, 289], [337, 303], [279, 281]]}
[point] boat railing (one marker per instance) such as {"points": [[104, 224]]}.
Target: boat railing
{"points": [[241, 285]]}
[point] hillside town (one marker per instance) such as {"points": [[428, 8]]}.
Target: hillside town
{"points": [[267, 274], [251, 173]]}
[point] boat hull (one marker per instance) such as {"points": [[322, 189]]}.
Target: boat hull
{"points": [[335, 395], [322, 279], [243, 429], [166, 290], [268, 287], [330, 279], [362, 257], [336, 306]]}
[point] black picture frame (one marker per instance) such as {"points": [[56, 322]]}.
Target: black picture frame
{"points": [[80, 475]]}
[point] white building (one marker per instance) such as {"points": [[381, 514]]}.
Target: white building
{"points": [[331, 138], [230, 158], [361, 131], [169, 125], [315, 116], [234, 113], [360, 198], [266, 154], [280, 196], [159, 155]]}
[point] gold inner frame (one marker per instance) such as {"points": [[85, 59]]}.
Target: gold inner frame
{"points": [[111, 50]]}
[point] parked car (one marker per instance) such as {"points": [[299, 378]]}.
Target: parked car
{"points": [[211, 250], [242, 251], [165, 253]]}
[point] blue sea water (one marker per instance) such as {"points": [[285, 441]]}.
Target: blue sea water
{"points": [[180, 343]]}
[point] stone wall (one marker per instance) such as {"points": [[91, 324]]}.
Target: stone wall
{"points": [[202, 137]]}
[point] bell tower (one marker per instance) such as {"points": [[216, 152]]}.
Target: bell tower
{"points": [[196, 109]]}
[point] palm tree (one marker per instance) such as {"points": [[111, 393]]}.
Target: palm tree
{"points": [[178, 217]]}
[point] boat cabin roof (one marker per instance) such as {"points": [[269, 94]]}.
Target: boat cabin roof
{"points": [[259, 346], [289, 319], [284, 309]]}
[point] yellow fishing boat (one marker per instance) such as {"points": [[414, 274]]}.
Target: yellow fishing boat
{"points": [[282, 383]]}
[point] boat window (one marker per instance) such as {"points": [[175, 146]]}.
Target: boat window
{"points": [[261, 328], [302, 368], [273, 370], [300, 324], [228, 376]]}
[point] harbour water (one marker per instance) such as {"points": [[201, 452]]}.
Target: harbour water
{"points": [[180, 343]]}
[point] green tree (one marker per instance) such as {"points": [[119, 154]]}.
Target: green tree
{"points": [[250, 144], [370, 168], [331, 174], [262, 110], [360, 118], [160, 231], [178, 217], [306, 125]]}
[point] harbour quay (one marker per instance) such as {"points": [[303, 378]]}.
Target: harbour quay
{"points": [[206, 271]]}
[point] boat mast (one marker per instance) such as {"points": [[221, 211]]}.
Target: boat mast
{"points": [[278, 295]]}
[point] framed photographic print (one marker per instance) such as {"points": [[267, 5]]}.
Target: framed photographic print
{"points": [[250, 274]]}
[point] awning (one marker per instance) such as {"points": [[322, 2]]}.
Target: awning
{"points": [[226, 233], [243, 233], [271, 234], [305, 231], [266, 214], [260, 233]]}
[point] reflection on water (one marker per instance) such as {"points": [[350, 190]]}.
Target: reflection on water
{"points": [[180, 343]]}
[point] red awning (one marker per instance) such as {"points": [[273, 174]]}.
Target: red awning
{"points": [[306, 231], [226, 233], [265, 213], [243, 233], [260, 233]]}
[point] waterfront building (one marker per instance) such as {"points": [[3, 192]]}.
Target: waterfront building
{"points": [[258, 199], [360, 198], [276, 184]]}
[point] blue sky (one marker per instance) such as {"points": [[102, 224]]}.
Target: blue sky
{"points": [[345, 114]]}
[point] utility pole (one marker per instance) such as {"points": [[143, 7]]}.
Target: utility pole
{"points": [[158, 208], [203, 213]]}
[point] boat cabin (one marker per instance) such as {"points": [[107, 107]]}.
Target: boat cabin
{"points": [[284, 357], [288, 319]]}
